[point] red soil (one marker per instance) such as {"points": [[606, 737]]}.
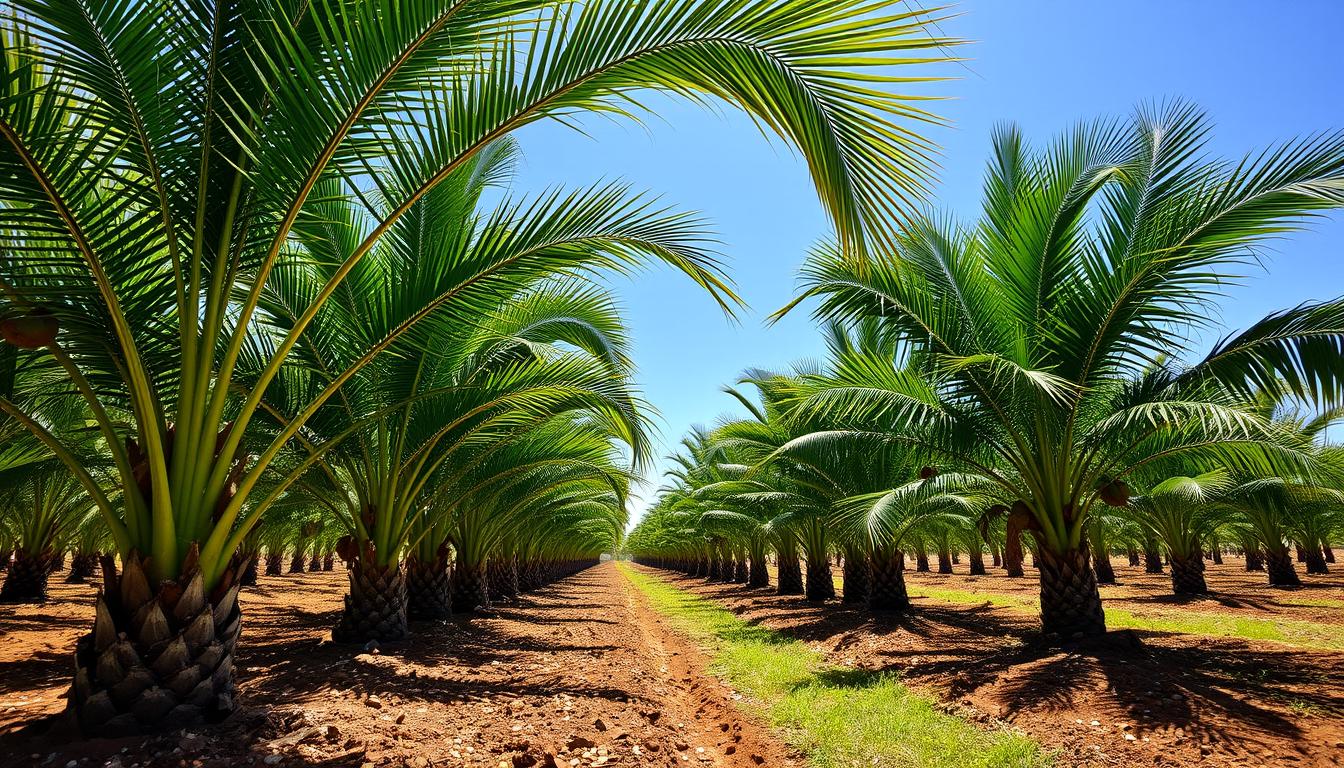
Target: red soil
{"points": [[1184, 699], [578, 674]]}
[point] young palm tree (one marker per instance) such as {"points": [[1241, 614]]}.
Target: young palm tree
{"points": [[1042, 332], [1182, 512], [156, 162]]}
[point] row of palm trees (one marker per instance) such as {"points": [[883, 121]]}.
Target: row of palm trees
{"points": [[261, 258], [1033, 371]]}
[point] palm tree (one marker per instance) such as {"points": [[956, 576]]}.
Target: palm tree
{"points": [[1182, 512], [157, 162], [1042, 332]]}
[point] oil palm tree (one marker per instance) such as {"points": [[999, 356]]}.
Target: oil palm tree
{"points": [[1043, 332], [1182, 512], [156, 160]]}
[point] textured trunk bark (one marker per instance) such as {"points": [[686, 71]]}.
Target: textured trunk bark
{"points": [[820, 583], [1281, 570], [995, 560], [921, 561], [248, 576], [1070, 602], [715, 569], [886, 590], [274, 564], [1329, 553], [1133, 556], [1187, 575], [1301, 554], [790, 576], [58, 562], [428, 590], [760, 576], [728, 571], [743, 573], [26, 579], [1316, 561], [1217, 555], [296, 562], [328, 562], [469, 588], [1105, 573], [1012, 553], [83, 566], [944, 561], [157, 659], [315, 564], [976, 558], [375, 606], [1255, 560], [1152, 560], [855, 580]]}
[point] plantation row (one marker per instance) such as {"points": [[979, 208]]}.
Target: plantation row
{"points": [[265, 288], [1025, 373]]}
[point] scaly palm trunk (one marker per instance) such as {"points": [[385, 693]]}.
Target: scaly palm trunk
{"points": [[315, 564], [742, 574], [1012, 552], [83, 565], [855, 579], [157, 659], [921, 561], [1105, 573], [790, 574], [248, 577], [944, 560], [1152, 558], [820, 583], [1070, 602], [1279, 563], [328, 562], [429, 594], [1316, 560], [275, 564], [760, 576], [1187, 574], [26, 579], [1255, 559], [886, 582], [976, 558], [469, 587], [1133, 555], [1329, 553], [375, 606]]}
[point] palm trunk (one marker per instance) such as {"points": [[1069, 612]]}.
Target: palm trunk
{"points": [[82, 567], [26, 579], [1217, 555], [328, 562], [1105, 573], [743, 573], [58, 562], [315, 564], [296, 562], [375, 607], [1255, 559], [157, 659], [1329, 553], [1281, 571], [820, 583], [790, 574], [944, 561], [886, 590], [995, 560], [1316, 560], [248, 577], [428, 589], [921, 561], [1133, 556], [976, 558], [469, 588], [760, 576], [274, 564], [715, 568], [1187, 574], [1152, 559], [1301, 553], [1070, 602], [855, 579], [1012, 552]]}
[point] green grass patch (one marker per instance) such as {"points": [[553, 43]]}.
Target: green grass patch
{"points": [[838, 717], [1187, 621]]}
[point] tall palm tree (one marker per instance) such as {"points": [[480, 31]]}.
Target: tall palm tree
{"points": [[1042, 332], [157, 161]]}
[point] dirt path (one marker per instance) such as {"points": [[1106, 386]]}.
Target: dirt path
{"points": [[580, 673]]}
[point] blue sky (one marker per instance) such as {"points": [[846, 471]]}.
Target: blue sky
{"points": [[1263, 71]]}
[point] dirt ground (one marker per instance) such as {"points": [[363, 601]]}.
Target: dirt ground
{"points": [[580, 673], [1134, 698]]}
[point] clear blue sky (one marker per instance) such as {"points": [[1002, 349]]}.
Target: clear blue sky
{"points": [[1263, 71]]}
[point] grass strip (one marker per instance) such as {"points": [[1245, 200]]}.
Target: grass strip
{"points": [[838, 717]]}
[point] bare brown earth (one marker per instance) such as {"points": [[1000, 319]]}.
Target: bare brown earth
{"points": [[1133, 698], [581, 673]]}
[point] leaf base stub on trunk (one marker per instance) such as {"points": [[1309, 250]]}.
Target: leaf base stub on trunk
{"points": [[469, 588], [1070, 602], [1187, 575], [790, 577], [375, 607], [820, 583], [428, 590], [26, 579], [886, 584], [156, 660]]}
